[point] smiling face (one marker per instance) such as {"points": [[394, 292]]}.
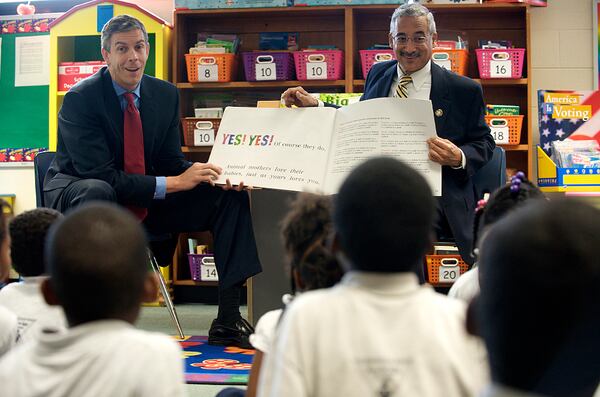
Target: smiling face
{"points": [[412, 55], [127, 58]]}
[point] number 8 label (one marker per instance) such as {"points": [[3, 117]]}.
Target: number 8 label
{"points": [[208, 72]]}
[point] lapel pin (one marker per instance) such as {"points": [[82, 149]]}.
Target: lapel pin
{"points": [[439, 113]]}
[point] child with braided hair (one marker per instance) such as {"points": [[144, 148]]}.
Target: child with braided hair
{"points": [[502, 201], [304, 231]]}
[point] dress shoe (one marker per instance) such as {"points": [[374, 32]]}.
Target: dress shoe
{"points": [[236, 334]]}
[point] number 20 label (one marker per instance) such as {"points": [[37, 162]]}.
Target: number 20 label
{"points": [[316, 70], [449, 274]]}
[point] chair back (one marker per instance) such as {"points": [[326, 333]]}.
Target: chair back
{"points": [[41, 163], [492, 175]]}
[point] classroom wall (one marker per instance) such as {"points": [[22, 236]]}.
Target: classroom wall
{"points": [[562, 51]]}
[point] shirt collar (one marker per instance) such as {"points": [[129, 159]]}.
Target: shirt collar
{"points": [[497, 390], [120, 90], [419, 77], [383, 283]]}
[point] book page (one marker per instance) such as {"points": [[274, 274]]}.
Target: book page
{"points": [[383, 127], [284, 149]]}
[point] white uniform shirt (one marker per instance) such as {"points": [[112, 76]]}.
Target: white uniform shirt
{"points": [[467, 286], [26, 301], [103, 358], [374, 334], [8, 330]]}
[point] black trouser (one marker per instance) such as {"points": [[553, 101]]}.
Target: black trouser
{"points": [[226, 214]]}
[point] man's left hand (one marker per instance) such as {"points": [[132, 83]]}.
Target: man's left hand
{"points": [[237, 188], [444, 152]]}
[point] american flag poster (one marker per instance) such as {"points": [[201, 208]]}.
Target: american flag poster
{"points": [[568, 115]]}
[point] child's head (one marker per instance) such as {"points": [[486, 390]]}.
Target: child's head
{"points": [[383, 217], [98, 265], [504, 200], [4, 241], [27, 238], [538, 309], [305, 230]]}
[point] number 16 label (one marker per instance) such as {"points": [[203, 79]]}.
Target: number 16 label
{"points": [[208, 72], [316, 70], [501, 69]]}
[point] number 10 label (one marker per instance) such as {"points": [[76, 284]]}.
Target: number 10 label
{"points": [[316, 70], [265, 71], [208, 72]]}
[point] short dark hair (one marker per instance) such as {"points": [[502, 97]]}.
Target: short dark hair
{"points": [[97, 262], [383, 215], [27, 239], [118, 24], [538, 307], [305, 230]]}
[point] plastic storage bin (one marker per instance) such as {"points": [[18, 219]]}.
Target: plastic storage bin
{"points": [[190, 124], [202, 267], [210, 67], [268, 65], [319, 65], [506, 130], [368, 58], [500, 63], [454, 60], [444, 270]]}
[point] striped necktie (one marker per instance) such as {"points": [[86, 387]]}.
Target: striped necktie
{"points": [[402, 87]]}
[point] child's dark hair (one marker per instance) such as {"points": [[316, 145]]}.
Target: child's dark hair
{"points": [[304, 230], [97, 262], [28, 234], [504, 200]]}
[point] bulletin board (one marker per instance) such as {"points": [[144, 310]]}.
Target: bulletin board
{"points": [[23, 110]]}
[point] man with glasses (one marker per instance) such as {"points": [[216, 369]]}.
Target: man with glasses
{"points": [[463, 144]]}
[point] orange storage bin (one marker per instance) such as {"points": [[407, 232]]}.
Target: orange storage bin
{"points": [[212, 67], [455, 60], [189, 125], [442, 269], [502, 125]]}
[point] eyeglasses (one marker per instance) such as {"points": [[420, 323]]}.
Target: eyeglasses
{"points": [[402, 39]]}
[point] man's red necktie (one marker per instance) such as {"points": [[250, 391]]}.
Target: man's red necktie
{"points": [[133, 138]]}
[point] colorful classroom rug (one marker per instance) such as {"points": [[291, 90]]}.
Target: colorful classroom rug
{"points": [[215, 364]]}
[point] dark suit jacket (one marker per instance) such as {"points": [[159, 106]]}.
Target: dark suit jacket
{"points": [[462, 121], [90, 139]]}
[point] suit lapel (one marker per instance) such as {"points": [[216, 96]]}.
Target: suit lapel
{"points": [[384, 88], [113, 108], [148, 113], [439, 97]]}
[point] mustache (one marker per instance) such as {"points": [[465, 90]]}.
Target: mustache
{"points": [[410, 54]]}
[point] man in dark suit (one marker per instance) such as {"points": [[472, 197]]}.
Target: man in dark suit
{"points": [[118, 140], [463, 144]]}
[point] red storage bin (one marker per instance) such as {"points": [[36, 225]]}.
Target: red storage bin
{"points": [[319, 65], [368, 58], [500, 63]]}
